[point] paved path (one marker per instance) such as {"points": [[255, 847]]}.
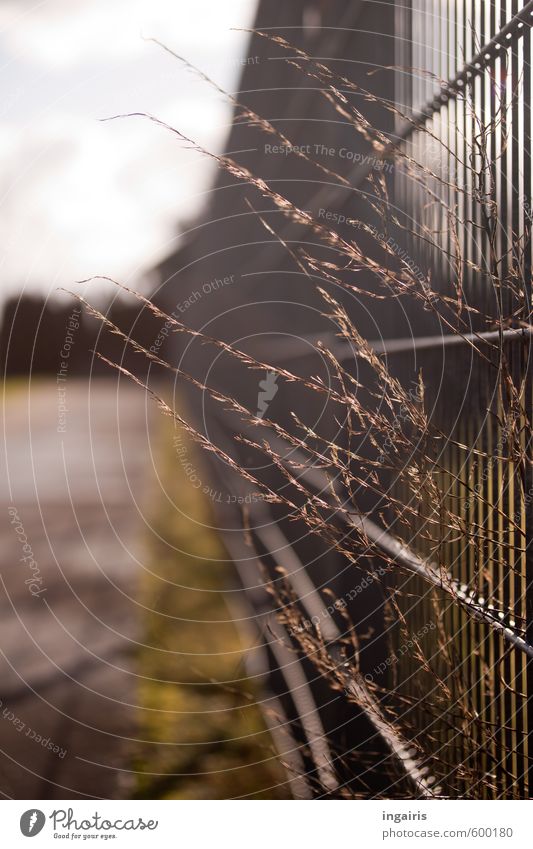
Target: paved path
{"points": [[72, 504]]}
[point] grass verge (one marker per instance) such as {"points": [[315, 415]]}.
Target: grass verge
{"points": [[204, 734]]}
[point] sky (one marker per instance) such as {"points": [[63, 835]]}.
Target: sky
{"points": [[79, 196]]}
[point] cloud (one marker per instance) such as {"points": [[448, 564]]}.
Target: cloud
{"points": [[69, 32], [80, 197], [90, 202]]}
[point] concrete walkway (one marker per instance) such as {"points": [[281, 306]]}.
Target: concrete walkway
{"points": [[71, 505]]}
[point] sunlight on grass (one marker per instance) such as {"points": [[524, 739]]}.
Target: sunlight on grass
{"points": [[210, 738]]}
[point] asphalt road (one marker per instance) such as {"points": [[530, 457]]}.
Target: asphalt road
{"points": [[74, 482]]}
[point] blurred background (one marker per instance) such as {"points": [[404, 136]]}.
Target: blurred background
{"points": [[103, 576], [93, 198]]}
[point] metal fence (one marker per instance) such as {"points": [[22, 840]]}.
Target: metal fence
{"points": [[468, 120], [451, 69]]}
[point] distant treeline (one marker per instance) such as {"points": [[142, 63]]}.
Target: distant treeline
{"points": [[41, 336]]}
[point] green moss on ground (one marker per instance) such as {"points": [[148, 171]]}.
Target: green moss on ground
{"points": [[213, 743]]}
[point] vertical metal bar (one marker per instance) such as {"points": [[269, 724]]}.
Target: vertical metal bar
{"points": [[527, 511]]}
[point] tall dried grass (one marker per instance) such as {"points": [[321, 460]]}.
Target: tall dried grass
{"points": [[433, 523]]}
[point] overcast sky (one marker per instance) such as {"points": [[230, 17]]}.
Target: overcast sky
{"points": [[80, 197]]}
